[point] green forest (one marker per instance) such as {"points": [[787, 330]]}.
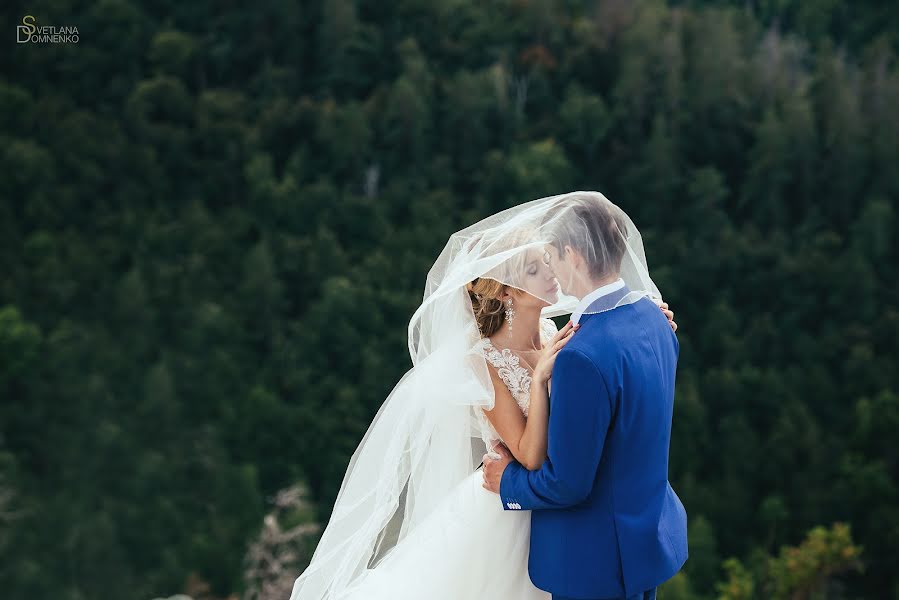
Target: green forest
{"points": [[216, 219]]}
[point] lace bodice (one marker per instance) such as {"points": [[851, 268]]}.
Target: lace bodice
{"points": [[516, 376]]}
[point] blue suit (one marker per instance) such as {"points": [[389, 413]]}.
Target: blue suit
{"points": [[606, 523]]}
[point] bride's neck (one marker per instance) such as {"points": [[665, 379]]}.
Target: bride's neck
{"points": [[524, 333]]}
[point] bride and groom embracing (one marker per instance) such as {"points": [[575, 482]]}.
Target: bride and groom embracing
{"points": [[576, 421]]}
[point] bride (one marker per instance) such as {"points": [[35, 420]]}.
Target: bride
{"points": [[412, 519]]}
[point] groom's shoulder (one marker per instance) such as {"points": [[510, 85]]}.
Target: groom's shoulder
{"points": [[605, 331], [613, 320], [599, 335], [639, 312]]}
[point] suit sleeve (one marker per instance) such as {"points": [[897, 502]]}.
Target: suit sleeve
{"points": [[579, 417]]}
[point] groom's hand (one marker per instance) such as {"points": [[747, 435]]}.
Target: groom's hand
{"points": [[494, 468]]}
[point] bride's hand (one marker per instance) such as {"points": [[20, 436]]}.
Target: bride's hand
{"points": [[544, 369], [668, 313]]}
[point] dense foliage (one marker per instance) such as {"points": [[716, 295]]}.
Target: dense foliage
{"points": [[216, 219]]}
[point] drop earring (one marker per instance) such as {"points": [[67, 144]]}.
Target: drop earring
{"points": [[510, 313]]}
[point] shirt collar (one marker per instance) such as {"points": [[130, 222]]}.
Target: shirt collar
{"points": [[593, 296]]}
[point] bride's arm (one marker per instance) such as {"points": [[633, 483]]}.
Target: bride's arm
{"points": [[526, 437]]}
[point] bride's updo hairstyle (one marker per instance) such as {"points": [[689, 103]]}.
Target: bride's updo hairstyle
{"points": [[488, 308]]}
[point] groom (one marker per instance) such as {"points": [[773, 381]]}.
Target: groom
{"points": [[606, 523]]}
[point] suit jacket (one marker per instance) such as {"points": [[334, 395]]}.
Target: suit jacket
{"points": [[606, 522]]}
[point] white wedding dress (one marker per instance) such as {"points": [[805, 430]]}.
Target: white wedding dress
{"points": [[468, 548]]}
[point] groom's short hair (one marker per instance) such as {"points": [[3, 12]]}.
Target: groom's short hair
{"points": [[595, 228]]}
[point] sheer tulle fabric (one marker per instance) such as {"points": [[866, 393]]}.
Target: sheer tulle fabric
{"points": [[423, 446]]}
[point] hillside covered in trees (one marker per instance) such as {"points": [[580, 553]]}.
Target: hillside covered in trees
{"points": [[216, 219]]}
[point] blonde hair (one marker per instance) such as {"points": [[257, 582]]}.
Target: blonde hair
{"points": [[485, 296]]}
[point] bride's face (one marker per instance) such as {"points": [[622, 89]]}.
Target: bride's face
{"points": [[538, 281]]}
